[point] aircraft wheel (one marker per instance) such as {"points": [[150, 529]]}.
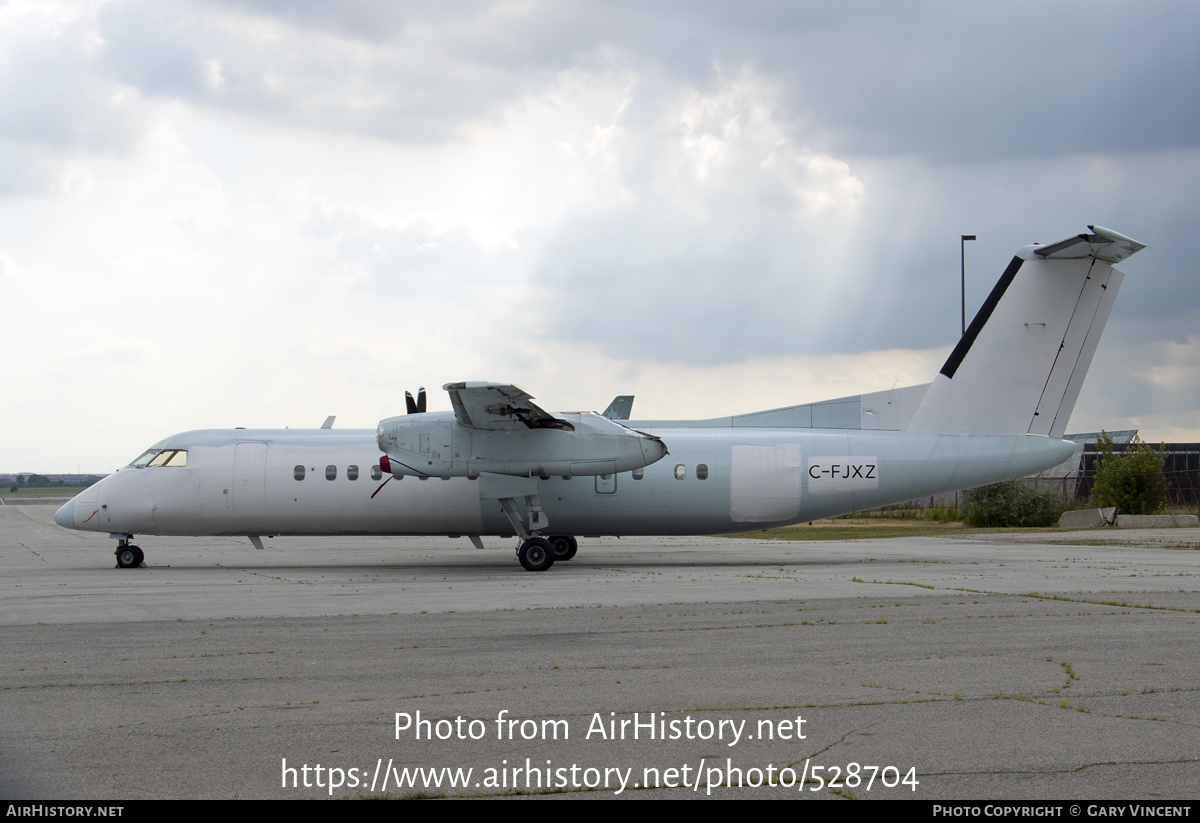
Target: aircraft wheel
{"points": [[129, 557], [536, 554], [564, 546]]}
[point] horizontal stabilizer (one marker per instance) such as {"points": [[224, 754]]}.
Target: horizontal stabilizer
{"points": [[1104, 244]]}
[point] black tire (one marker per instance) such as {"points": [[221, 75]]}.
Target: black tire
{"points": [[536, 554], [129, 557], [564, 546]]}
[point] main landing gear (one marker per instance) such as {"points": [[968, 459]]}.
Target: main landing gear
{"points": [[536, 552], [564, 546], [128, 557], [540, 553]]}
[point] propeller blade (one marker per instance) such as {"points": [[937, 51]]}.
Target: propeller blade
{"points": [[415, 406]]}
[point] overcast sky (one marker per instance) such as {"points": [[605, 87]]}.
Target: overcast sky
{"points": [[226, 214]]}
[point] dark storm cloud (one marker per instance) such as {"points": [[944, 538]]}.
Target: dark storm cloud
{"points": [[408, 89], [924, 103], [949, 82], [655, 281], [959, 82]]}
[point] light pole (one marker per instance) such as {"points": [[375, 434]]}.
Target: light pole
{"points": [[962, 249]]}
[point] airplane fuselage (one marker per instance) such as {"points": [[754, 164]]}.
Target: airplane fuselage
{"points": [[714, 481]]}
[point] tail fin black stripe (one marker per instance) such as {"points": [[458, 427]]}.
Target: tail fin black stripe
{"points": [[985, 311]]}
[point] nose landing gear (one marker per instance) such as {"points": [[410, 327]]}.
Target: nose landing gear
{"points": [[128, 556]]}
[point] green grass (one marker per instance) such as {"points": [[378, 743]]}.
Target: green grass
{"points": [[843, 528], [49, 491]]}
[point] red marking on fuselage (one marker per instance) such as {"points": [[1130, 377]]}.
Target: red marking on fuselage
{"points": [[90, 516]]}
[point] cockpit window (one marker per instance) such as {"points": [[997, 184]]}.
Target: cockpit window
{"points": [[144, 458], [161, 457]]}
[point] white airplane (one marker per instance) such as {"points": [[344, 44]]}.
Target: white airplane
{"points": [[499, 465]]}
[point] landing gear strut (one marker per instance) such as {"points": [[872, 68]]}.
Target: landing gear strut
{"points": [[537, 552], [128, 557]]}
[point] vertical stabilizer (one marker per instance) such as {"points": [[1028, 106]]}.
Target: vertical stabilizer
{"points": [[1021, 364], [620, 407]]}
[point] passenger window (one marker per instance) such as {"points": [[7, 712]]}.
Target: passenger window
{"points": [[352, 472], [331, 472], [681, 472], [298, 472], [702, 471], [638, 474], [376, 473]]}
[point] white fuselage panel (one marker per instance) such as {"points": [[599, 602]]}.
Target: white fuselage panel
{"points": [[713, 481]]}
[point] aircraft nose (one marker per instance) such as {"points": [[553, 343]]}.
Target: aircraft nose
{"points": [[65, 516]]}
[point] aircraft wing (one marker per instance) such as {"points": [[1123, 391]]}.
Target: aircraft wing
{"points": [[499, 406]]}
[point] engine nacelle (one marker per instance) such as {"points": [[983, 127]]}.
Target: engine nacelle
{"points": [[435, 444]]}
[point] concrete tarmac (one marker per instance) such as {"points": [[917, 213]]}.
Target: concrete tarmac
{"points": [[1016, 667]]}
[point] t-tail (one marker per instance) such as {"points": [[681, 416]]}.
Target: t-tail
{"points": [[1020, 365]]}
